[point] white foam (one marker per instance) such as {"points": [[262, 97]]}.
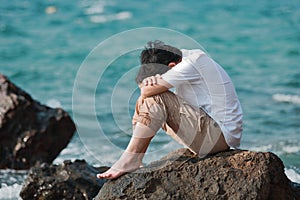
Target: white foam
{"points": [[10, 192], [287, 98], [282, 148], [123, 15], [106, 18], [99, 19], [278, 148], [291, 149], [292, 175], [264, 148], [96, 9], [54, 103]]}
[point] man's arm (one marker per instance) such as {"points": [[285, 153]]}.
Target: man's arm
{"points": [[157, 86]]}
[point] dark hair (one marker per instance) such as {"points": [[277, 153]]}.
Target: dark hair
{"points": [[158, 52], [150, 69]]}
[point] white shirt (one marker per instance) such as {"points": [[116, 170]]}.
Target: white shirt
{"points": [[202, 82]]}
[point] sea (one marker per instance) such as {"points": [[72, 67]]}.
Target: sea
{"points": [[83, 55]]}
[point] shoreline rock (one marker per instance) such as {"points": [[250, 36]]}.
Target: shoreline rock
{"points": [[69, 180], [30, 133], [235, 174], [227, 175]]}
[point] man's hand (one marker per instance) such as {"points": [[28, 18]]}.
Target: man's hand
{"points": [[154, 85], [152, 80]]}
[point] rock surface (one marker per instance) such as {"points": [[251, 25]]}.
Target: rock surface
{"points": [[227, 175], [30, 133], [70, 180]]}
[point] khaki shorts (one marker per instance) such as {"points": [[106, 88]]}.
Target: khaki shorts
{"points": [[188, 125]]}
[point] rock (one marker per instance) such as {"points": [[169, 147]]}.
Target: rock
{"points": [[228, 175], [70, 180], [30, 133]]}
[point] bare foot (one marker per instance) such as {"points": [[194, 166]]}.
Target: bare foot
{"points": [[127, 163], [111, 174]]}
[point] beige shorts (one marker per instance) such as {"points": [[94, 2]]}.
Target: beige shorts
{"points": [[188, 125]]}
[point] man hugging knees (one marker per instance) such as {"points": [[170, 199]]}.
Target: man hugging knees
{"points": [[204, 113]]}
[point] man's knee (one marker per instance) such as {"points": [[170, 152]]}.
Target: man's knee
{"points": [[160, 109], [159, 104], [165, 98], [151, 112]]}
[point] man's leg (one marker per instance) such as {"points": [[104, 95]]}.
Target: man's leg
{"points": [[132, 157], [192, 126], [187, 125], [150, 119]]}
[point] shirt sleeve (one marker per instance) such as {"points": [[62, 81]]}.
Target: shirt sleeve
{"points": [[183, 72]]}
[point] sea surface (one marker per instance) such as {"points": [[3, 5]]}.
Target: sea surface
{"points": [[82, 55]]}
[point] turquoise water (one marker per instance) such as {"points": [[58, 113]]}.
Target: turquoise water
{"points": [[44, 45]]}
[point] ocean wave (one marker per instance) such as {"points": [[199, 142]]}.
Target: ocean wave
{"points": [[101, 12], [11, 183], [292, 175], [10, 192], [295, 99], [291, 149], [53, 103], [285, 150], [263, 148], [95, 9], [113, 17], [280, 148]]}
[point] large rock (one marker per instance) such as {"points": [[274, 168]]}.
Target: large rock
{"points": [[70, 180], [30, 133], [227, 175]]}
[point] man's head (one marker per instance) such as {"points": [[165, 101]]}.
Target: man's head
{"points": [[158, 52], [150, 69], [157, 58]]}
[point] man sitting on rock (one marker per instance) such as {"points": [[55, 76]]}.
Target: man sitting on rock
{"points": [[205, 114]]}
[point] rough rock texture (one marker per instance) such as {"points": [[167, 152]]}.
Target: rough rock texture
{"points": [[70, 180], [227, 175], [30, 133]]}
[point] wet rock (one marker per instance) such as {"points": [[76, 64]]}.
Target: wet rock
{"points": [[227, 175], [70, 180], [30, 133]]}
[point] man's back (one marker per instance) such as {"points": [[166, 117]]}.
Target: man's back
{"points": [[203, 83]]}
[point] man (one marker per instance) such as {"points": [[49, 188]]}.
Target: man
{"points": [[205, 114]]}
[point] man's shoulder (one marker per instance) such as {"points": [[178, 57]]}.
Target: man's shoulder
{"points": [[192, 52], [195, 57]]}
